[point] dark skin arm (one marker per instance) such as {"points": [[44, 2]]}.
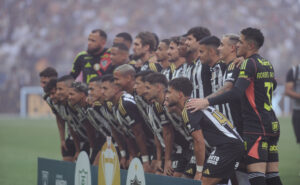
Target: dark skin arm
{"points": [[168, 134], [289, 90], [76, 142], [61, 129], [199, 150], [156, 164], [120, 141]]}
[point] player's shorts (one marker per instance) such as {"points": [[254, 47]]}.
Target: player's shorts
{"points": [[223, 160], [71, 148], [98, 144], [296, 124], [190, 169], [261, 148], [180, 161]]}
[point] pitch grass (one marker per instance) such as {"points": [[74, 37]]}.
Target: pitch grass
{"points": [[23, 140]]}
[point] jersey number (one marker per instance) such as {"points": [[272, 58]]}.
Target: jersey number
{"points": [[269, 86], [222, 119]]}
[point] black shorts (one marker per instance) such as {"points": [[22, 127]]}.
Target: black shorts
{"points": [[296, 124], [223, 160], [100, 140], [180, 161], [71, 148], [190, 169], [261, 148]]}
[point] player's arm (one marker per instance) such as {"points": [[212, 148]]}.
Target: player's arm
{"points": [[156, 164], [120, 140], [76, 68], [91, 133], [199, 151], [61, 129], [168, 134], [76, 141], [290, 85]]}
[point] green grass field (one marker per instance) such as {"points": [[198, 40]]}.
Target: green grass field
{"points": [[23, 140]]}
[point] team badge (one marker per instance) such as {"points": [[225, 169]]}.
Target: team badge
{"points": [[135, 175], [83, 170]]}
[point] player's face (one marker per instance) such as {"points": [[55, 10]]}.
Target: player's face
{"points": [[44, 81], [118, 57], [139, 86], [53, 96], [204, 54], [75, 97], [94, 91], [138, 49], [151, 92], [191, 43], [62, 91], [182, 49], [95, 43], [242, 47], [173, 52], [171, 99], [121, 80], [161, 52], [108, 90], [225, 48]]}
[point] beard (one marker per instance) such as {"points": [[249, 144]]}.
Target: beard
{"points": [[137, 56], [94, 50]]}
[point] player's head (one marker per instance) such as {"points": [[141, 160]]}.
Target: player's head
{"points": [[77, 93], [155, 86], [251, 40], [143, 43], [173, 51], [124, 38], [50, 89], [124, 76], [96, 41], [139, 85], [182, 47], [119, 54], [108, 87], [193, 36], [62, 87], [208, 50], [95, 92], [46, 75], [161, 52], [227, 46], [156, 41], [179, 90]]}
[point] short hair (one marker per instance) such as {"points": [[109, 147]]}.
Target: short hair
{"points": [[147, 38], [101, 33], [154, 78], [198, 32], [143, 74], [182, 84], [126, 36], [97, 79], [166, 41], [67, 79], [50, 85], [80, 87], [255, 35], [176, 40], [210, 41], [233, 38], [126, 69], [121, 46], [49, 72], [156, 41], [108, 78]]}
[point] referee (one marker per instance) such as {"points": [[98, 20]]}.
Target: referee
{"points": [[292, 89]]}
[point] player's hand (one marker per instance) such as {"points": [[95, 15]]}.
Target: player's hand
{"points": [[76, 156], [156, 165], [147, 167], [63, 145], [123, 162], [238, 61], [198, 176], [197, 104], [168, 170]]}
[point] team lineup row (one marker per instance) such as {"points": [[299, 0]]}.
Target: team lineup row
{"points": [[187, 106]]}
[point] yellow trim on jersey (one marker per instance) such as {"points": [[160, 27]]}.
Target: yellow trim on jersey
{"points": [[132, 62], [121, 107], [152, 67], [231, 66], [159, 108], [77, 56], [97, 103], [109, 105], [172, 67], [244, 64], [185, 116]]}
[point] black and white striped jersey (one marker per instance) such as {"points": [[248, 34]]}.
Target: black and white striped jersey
{"points": [[98, 120], [217, 81], [109, 114], [143, 107], [200, 75], [179, 72], [151, 66], [217, 129], [168, 72], [48, 100]]}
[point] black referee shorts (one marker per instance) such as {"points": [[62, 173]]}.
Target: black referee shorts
{"points": [[296, 124]]}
